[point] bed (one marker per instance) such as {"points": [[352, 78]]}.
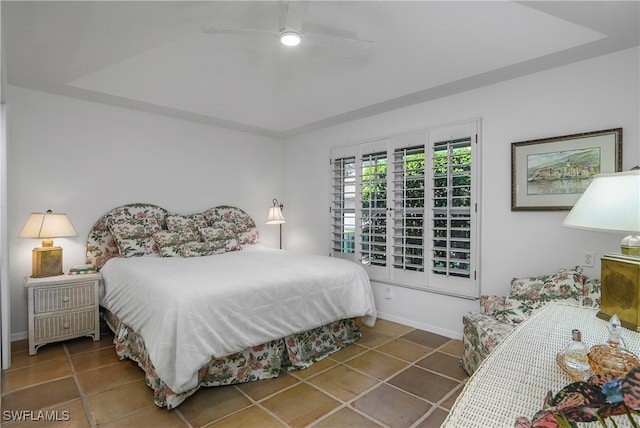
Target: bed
{"points": [[197, 301]]}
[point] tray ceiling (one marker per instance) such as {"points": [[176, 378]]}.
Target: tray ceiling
{"points": [[154, 56]]}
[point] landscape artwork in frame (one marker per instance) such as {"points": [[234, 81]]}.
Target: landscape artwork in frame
{"points": [[552, 173]]}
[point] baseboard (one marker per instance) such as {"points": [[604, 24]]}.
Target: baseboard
{"points": [[427, 327], [19, 336]]}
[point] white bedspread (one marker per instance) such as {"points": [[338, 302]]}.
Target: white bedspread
{"points": [[190, 309]]}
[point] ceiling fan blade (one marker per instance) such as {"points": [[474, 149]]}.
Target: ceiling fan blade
{"points": [[214, 29], [292, 14], [332, 36], [333, 39]]}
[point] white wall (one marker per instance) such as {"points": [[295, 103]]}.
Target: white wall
{"points": [[84, 158], [593, 95]]}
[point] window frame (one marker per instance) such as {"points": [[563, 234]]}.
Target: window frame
{"points": [[414, 277]]}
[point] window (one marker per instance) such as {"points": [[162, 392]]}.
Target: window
{"points": [[405, 207], [343, 207]]}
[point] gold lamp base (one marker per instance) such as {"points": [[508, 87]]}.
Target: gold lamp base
{"points": [[47, 261], [620, 293]]}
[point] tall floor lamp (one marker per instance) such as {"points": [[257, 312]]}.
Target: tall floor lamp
{"points": [[611, 204], [275, 216]]}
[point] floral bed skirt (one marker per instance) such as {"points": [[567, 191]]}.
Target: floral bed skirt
{"points": [[295, 352]]}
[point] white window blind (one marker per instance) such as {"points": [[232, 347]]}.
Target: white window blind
{"points": [[451, 219], [343, 207], [373, 209], [406, 208]]}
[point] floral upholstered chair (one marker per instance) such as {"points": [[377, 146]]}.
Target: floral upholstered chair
{"points": [[499, 315]]}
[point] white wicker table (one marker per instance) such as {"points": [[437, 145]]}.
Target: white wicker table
{"points": [[517, 375]]}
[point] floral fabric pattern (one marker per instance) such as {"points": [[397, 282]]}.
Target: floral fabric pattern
{"points": [[170, 243], [259, 362], [199, 249], [481, 334], [235, 221], [499, 315], [135, 237], [601, 398], [213, 234], [101, 244], [219, 236], [566, 284], [186, 223], [492, 305]]}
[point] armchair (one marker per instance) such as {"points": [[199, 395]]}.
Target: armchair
{"points": [[499, 315]]}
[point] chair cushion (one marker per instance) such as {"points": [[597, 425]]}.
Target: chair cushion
{"points": [[566, 284]]}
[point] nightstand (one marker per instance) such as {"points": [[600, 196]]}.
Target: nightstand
{"points": [[62, 307]]}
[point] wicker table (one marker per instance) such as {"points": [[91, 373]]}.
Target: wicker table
{"points": [[517, 375]]}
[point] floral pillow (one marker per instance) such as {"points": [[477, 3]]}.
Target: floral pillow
{"points": [[566, 284], [198, 249], [220, 237], [135, 237], [505, 309], [170, 243], [234, 221], [186, 223], [515, 311], [492, 305]]}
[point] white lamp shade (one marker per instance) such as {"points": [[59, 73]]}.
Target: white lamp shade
{"points": [[611, 203], [47, 225], [290, 38], [275, 216]]}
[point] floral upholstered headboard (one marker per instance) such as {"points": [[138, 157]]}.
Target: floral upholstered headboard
{"points": [[101, 245]]}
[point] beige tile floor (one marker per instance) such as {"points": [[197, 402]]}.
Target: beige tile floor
{"points": [[394, 376]]}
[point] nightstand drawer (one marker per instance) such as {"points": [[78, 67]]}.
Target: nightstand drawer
{"points": [[51, 299], [59, 326]]}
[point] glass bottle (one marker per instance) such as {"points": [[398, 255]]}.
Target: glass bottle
{"points": [[575, 353], [615, 340]]}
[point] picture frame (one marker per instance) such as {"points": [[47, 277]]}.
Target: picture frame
{"points": [[552, 173]]}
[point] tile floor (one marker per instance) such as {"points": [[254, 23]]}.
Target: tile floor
{"points": [[394, 376]]}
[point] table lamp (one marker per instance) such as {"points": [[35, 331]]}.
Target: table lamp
{"points": [[611, 204], [275, 217], [47, 260]]}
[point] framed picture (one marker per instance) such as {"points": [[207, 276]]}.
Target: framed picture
{"points": [[552, 173]]}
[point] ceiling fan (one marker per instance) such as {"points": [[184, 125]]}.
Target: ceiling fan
{"points": [[289, 30]]}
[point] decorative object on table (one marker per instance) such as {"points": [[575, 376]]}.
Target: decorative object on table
{"points": [[552, 173], [574, 374], [611, 203], [600, 397], [614, 357], [275, 217], [615, 332], [47, 260], [575, 360], [83, 269], [579, 363]]}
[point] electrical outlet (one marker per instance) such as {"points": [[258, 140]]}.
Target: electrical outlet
{"points": [[387, 293], [589, 259]]}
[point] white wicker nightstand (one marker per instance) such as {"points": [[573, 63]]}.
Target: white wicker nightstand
{"points": [[62, 307]]}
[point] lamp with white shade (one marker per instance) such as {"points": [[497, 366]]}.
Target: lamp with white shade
{"points": [[47, 260], [611, 204], [274, 216]]}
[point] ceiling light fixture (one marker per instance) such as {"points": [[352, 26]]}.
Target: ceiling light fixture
{"points": [[290, 37]]}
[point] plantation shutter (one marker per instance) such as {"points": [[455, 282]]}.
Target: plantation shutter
{"points": [[405, 207], [372, 222], [343, 207], [408, 247], [453, 189]]}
